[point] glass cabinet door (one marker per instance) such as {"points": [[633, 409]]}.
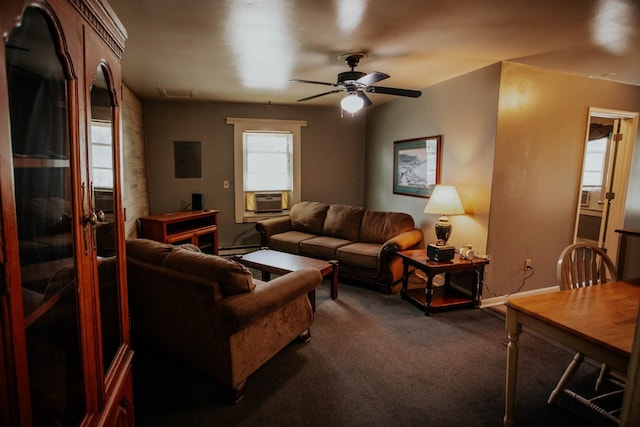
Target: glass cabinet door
{"points": [[103, 181], [42, 157]]}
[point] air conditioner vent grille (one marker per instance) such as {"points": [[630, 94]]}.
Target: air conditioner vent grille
{"points": [[268, 202]]}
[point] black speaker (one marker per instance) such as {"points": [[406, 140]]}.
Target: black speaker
{"points": [[197, 202]]}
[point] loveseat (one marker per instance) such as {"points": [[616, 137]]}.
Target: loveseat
{"points": [[363, 241], [209, 313]]}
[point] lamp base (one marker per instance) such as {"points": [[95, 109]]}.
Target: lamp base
{"points": [[443, 230]]}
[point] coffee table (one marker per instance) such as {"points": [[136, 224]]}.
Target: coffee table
{"points": [[269, 261]]}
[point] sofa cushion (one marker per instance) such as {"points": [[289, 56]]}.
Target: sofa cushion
{"points": [[363, 255], [289, 241], [343, 221], [308, 216], [148, 250], [233, 277], [378, 227], [323, 247]]}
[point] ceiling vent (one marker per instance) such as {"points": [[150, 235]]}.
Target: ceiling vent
{"points": [[173, 93]]}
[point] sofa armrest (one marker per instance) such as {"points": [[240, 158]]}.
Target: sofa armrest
{"points": [[269, 227], [236, 312], [405, 240]]}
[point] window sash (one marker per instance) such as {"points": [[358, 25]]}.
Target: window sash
{"points": [[268, 161], [594, 163], [102, 154]]}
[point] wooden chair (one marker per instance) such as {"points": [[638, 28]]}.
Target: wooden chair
{"points": [[581, 265]]}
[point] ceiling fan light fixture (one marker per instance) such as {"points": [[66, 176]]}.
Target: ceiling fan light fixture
{"points": [[352, 103]]}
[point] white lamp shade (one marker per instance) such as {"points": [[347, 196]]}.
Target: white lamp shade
{"points": [[444, 201], [352, 103]]}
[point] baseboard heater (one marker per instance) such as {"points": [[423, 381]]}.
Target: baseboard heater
{"points": [[268, 202]]}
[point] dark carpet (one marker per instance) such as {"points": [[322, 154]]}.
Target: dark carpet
{"points": [[375, 360]]}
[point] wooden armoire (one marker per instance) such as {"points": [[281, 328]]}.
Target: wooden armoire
{"points": [[64, 323]]}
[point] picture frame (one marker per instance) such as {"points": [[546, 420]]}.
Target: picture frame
{"points": [[416, 166]]}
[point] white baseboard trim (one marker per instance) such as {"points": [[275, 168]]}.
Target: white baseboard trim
{"points": [[490, 302]]}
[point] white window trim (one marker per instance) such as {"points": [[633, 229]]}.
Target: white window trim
{"points": [[241, 125]]}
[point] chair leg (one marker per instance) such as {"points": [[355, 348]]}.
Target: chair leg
{"points": [[604, 373], [593, 405], [566, 376]]}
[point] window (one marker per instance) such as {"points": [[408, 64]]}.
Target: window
{"points": [[101, 154], [594, 163], [266, 159]]}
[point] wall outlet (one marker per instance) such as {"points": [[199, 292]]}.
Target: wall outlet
{"points": [[527, 263]]}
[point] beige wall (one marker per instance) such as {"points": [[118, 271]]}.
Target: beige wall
{"points": [[332, 157], [512, 144], [542, 119], [463, 111]]}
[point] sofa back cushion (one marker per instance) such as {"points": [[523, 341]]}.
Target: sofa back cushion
{"points": [[148, 250], [378, 227], [308, 216], [225, 275], [343, 221], [234, 278]]}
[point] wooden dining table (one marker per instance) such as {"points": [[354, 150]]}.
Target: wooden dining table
{"points": [[597, 321]]}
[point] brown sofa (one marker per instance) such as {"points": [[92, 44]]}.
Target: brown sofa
{"points": [[209, 312], [364, 242]]}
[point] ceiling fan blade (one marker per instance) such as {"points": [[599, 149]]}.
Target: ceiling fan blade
{"points": [[394, 91], [365, 98], [372, 78], [320, 94], [313, 82]]}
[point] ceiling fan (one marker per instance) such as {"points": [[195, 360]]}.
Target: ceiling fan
{"points": [[356, 84]]}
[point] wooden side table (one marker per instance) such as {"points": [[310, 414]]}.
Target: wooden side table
{"points": [[445, 297], [197, 227]]}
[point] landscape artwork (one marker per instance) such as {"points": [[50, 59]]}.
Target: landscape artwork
{"points": [[416, 168]]}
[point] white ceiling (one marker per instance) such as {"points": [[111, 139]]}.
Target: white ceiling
{"points": [[248, 50]]}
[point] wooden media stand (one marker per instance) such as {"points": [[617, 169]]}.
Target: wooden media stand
{"points": [[197, 227]]}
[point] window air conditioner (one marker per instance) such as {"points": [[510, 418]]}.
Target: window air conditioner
{"points": [[268, 202]]}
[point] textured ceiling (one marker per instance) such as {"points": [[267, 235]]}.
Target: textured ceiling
{"points": [[248, 50]]}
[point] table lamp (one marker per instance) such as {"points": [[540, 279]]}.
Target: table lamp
{"points": [[444, 201]]}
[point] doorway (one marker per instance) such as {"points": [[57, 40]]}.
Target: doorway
{"points": [[608, 151]]}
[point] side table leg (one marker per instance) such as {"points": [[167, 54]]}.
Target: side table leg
{"points": [[478, 280], [428, 294], [334, 279]]}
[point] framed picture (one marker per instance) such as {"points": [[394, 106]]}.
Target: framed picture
{"points": [[416, 166]]}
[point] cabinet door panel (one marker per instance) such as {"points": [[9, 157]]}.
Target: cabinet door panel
{"points": [[44, 193], [103, 182]]}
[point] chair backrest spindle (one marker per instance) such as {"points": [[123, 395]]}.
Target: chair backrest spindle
{"points": [[584, 264]]}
